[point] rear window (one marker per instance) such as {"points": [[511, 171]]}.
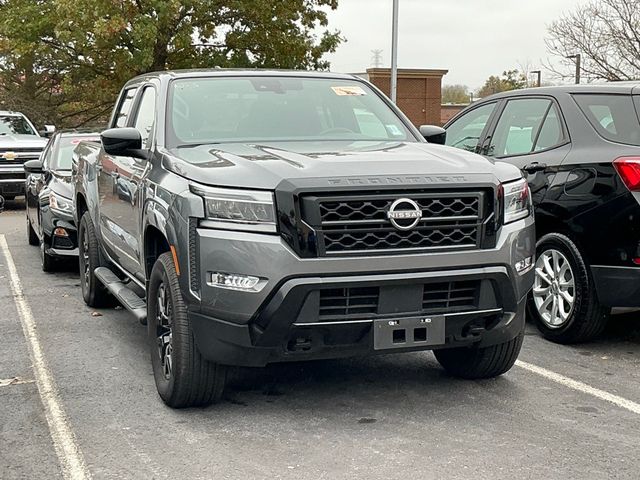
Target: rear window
{"points": [[613, 116]]}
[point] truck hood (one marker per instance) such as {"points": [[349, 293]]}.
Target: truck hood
{"points": [[22, 141], [264, 166]]}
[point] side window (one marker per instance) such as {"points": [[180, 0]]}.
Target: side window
{"points": [[551, 132], [517, 130], [122, 115], [146, 115], [465, 132]]}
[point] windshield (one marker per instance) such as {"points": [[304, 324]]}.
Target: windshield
{"points": [[259, 109], [15, 124], [63, 156]]}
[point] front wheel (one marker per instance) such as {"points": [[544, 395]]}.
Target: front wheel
{"points": [[563, 303], [183, 377], [93, 292], [474, 363], [32, 237]]}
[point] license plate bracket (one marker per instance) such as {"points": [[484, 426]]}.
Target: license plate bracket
{"points": [[422, 331]]}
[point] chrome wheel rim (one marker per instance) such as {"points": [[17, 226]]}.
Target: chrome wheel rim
{"points": [[164, 335], [85, 258], [554, 291]]}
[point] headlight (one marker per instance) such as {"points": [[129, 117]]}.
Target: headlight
{"points": [[517, 201], [60, 203], [238, 209]]}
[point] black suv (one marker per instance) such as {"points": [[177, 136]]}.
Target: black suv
{"points": [[580, 149]]}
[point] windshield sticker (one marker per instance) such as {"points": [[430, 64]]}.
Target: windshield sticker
{"points": [[349, 91], [394, 130]]}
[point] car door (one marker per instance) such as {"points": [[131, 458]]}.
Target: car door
{"points": [[115, 238], [530, 134], [35, 185], [468, 130], [129, 176]]}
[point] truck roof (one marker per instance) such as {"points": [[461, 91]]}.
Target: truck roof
{"points": [[222, 72], [9, 113]]}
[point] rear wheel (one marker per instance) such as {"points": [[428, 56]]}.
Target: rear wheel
{"points": [[183, 377], [563, 303], [93, 292], [475, 363], [31, 234]]}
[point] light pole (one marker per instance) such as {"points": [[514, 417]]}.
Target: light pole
{"points": [[394, 53], [578, 58], [539, 73]]}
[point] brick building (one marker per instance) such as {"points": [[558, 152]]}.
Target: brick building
{"points": [[419, 92], [450, 110]]}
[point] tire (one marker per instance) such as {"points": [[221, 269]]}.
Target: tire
{"points": [[47, 262], [31, 234], [185, 379], [94, 293], [473, 363], [586, 319]]}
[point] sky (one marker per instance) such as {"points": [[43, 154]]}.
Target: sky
{"points": [[473, 39]]}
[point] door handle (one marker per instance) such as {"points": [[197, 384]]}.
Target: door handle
{"points": [[535, 167]]}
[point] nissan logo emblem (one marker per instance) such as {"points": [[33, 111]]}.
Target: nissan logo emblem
{"points": [[404, 214]]}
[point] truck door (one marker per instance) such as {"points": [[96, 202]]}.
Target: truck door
{"points": [[116, 239], [129, 177]]}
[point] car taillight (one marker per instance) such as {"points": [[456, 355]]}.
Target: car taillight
{"points": [[629, 170]]}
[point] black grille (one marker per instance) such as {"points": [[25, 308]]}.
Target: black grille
{"points": [[364, 302], [194, 279], [450, 296], [360, 224], [348, 302]]}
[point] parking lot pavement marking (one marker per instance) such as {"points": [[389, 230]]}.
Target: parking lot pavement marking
{"points": [[67, 450], [581, 387]]}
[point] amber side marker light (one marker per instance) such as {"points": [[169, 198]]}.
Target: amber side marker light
{"points": [[175, 259], [629, 170]]}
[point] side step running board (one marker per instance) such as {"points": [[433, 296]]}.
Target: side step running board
{"points": [[129, 299]]}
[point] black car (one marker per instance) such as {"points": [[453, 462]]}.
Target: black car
{"points": [[580, 149], [49, 199]]}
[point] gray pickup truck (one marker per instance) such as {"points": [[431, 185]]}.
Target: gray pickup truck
{"points": [[19, 142], [252, 217]]}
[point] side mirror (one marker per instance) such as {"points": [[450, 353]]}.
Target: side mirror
{"points": [[48, 131], [122, 141], [33, 166], [433, 134]]}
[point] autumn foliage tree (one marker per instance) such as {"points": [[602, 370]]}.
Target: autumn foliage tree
{"points": [[64, 61]]}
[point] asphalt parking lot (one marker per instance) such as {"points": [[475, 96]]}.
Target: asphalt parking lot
{"points": [[562, 412]]}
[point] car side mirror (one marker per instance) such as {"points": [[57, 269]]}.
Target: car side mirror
{"points": [[34, 166], [48, 131], [433, 134], [125, 141]]}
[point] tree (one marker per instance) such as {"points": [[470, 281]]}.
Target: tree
{"points": [[510, 80], [458, 94], [65, 60], [607, 35]]}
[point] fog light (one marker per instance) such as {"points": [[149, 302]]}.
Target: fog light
{"points": [[60, 232], [233, 281], [524, 265]]}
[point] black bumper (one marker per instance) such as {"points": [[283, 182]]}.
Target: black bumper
{"points": [[288, 328], [12, 188], [617, 286], [61, 246]]}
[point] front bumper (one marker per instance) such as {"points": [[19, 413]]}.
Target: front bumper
{"points": [[10, 186], [617, 286], [59, 246], [279, 324]]}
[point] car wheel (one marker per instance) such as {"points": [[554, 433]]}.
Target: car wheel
{"points": [[93, 292], [31, 234], [564, 303], [47, 261], [183, 377], [474, 363]]}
